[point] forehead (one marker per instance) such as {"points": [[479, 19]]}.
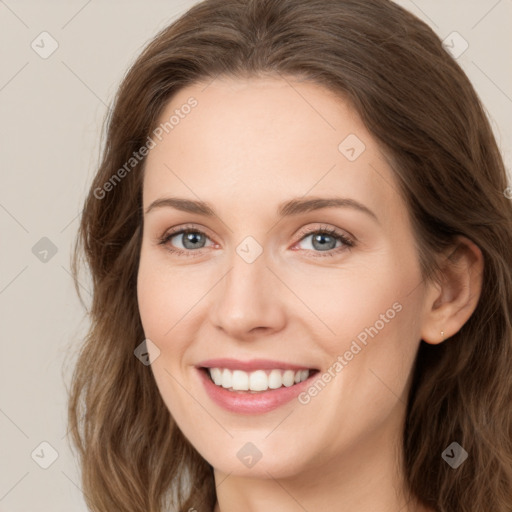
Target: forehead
{"points": [[262, 116], [265, 135]]}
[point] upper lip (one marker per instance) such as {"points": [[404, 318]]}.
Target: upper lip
{"points": [[253, 364]]}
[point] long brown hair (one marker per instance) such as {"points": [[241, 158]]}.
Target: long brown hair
{"points": [[421, 107]]}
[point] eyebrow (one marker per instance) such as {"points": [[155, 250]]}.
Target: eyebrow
{"points": [[292, 207]]}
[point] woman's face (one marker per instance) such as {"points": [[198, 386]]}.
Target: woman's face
{"points": [[273, 284]]}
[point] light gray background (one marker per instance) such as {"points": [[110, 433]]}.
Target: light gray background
{"points": [[51, 113]]}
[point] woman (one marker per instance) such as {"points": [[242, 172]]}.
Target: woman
{"points": [[299, 244]]}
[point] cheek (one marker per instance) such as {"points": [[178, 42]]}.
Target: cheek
{"points": [[161, 307], [373, 312], [154, 296], [166, 295], [371, 301]]}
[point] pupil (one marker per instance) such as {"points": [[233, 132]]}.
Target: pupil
{"points": [[320, 239], [192, 238]]}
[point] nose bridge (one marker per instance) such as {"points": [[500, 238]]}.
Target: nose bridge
{"points": [[247, 297]]}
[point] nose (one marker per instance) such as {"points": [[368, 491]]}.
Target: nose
{"points": [[248, 301]]}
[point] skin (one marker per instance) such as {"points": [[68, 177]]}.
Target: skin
{"points": [[248, 146]]}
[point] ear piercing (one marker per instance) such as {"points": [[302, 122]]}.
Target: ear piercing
{"points": [[442, 334]]}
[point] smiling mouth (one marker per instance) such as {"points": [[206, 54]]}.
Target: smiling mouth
{"points": [[257, 381]]}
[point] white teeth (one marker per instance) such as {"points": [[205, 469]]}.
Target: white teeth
{"points": [[216, 374], [240, 380], [227, 380], [259, 380], [289, 378], [275, 380]]}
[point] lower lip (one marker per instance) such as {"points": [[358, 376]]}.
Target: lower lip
{"points": [[243, 402]]}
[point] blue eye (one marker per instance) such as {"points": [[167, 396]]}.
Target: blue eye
{"points": [[191, 240], [325, 241]]}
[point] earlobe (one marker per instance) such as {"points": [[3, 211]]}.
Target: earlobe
{"points": [[452, 301]]}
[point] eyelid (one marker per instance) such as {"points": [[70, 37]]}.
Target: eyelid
{"points": [[186, 227], [326, 228], [194, 228], [348, 240]]}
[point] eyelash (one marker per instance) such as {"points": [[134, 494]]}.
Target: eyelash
{"points": [[347, 242]]}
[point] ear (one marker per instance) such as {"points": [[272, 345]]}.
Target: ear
{"points": [[451, 301]]}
